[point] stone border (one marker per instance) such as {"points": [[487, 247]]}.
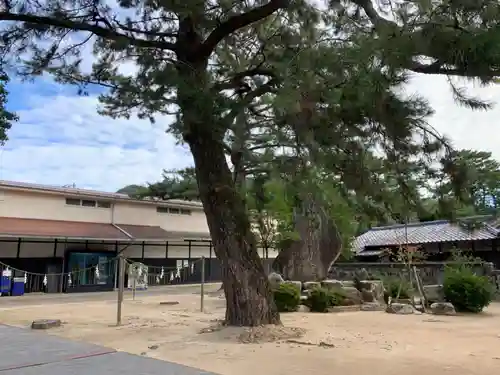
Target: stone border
{"points": [[46, 324], [337, 309]]}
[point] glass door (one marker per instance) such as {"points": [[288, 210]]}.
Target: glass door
{"points": [[83, 266]]}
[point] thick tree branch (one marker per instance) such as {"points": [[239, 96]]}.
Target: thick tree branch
{"points": [[435, 68], [82, 26], [237, 22]]}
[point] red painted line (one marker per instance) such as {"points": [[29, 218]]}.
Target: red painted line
{"points": [[67, 359]]}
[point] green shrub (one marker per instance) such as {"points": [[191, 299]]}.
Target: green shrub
{"points": [[287, 297], [466, 291], [320, 299], [392, 287]]}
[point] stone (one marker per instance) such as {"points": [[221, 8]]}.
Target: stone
{"points": [[443, 308], [349, 302], [352, 293], [368, 295], [376, 287], [169, 303], [400, 308], [45, 323], [348, 283], [372, 306], [297, 284], [275, 280], [331, 284], [303, 309], [434, 293], [308, 285]]}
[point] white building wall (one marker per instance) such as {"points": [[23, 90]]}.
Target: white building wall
{"points": [[48, 207]]}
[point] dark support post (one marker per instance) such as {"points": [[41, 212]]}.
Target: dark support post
{"points": [[87, 245], [189, 251], [19, 247], [115, 281], [210, 260], [166, 250], [55, 248], [143, 244]]}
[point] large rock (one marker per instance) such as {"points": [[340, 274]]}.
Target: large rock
{"points": [[434, 293], [372, 290], [275, 279], [368, 295], [400, 308], [348, 283], [308, 285], [353, 294], [332, 284], [372, 306], [297, 284], [443, 308], [303, 309]]}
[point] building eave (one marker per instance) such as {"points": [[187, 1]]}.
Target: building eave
{"points": [[79, 193]]}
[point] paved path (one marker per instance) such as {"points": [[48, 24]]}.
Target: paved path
{"points": [[58, 298], [25, 352]]}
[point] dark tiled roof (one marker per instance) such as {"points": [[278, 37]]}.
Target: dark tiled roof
{"points": [[420, 233], [11, 226]]}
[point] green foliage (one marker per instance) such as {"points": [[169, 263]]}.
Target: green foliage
{"points": [[287, 297], [261, 89], [466, 291], [6, 117], [177, 184], [393, 286], [320, 299]]}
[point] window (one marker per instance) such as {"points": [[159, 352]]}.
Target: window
{"points": [[73, 202], [173, 210], [88, 203]]}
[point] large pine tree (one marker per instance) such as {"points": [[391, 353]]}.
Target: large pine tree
{"points": [[245, 74]]}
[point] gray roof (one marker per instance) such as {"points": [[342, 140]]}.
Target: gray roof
{"points": [[420, 233]]}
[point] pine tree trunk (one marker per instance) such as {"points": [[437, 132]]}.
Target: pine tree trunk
{"points": [[248, 294]]}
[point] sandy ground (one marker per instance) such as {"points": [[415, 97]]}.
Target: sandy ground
{"points": [[351, 342]]}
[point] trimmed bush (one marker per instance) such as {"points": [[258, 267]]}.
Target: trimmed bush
{"points": [[320, 299], [467, 291], [287, 297]]}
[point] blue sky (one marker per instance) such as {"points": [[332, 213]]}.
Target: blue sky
{"points": [[60, 139]]}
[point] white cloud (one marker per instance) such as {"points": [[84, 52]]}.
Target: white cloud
{"points": [[479, 130], [62, 140]]}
